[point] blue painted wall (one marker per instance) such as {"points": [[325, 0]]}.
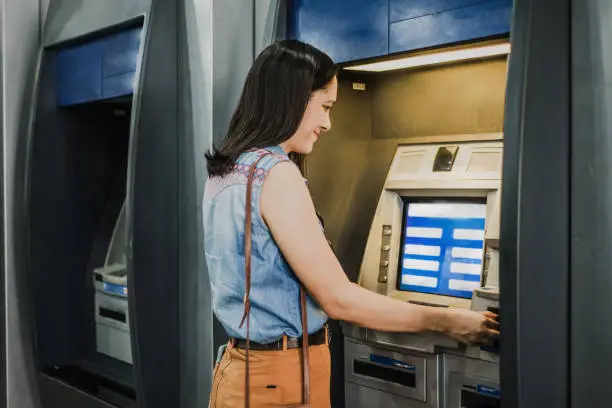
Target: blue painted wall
{"points": [[99, 69], [469, 22], [346, 29], [407, 9], [350, 30]]}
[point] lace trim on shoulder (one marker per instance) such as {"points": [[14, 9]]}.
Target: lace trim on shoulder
{"points": [[240, 172]]}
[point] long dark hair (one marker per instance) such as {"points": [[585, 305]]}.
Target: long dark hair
{"points": [[273, 100]]}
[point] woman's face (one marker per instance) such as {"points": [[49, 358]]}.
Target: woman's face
{"points": [[315, 120]]}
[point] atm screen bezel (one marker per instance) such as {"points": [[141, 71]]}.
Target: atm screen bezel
{"points": [[406, 200]]}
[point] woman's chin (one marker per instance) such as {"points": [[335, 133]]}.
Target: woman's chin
{"points": [[305, 149]]}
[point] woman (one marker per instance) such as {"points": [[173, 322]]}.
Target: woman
{"points": [[284, 108]]}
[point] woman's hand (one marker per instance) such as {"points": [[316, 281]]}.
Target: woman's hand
{"points": [[470, 327]]}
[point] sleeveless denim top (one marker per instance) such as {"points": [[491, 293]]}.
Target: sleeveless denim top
{"points": [[275, 290]]}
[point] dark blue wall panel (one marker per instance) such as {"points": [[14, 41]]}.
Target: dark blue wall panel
{"points": [[99, 69], [358, 29], [118, 85], [121, 53], [79, 73], [467, 23], [405, 9], [346, 30]]}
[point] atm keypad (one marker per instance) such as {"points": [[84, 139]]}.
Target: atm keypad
{"points": [[385, 249]]}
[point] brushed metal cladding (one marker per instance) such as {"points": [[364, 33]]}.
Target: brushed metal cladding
{"points": [[69, 19]]}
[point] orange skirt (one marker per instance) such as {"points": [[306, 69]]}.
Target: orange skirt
{"points": [[275, 376]]}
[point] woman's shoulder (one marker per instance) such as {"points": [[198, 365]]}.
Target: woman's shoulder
{"points": [[268, 158], [272, 154], [239, 174]]}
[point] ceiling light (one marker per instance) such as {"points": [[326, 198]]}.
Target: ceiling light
{"points": [[435, 58]]}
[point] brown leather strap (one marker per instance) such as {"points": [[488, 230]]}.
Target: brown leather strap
{"points": [[248, 226], [305, 347]]}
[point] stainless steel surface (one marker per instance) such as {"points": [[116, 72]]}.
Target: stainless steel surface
{"points": [[488, 297], [425, 368], [358, 396], [20, 41], [423, 342], [233, 53], [270, 16], [476, 353], [195, 98], [461, 371], [44, 7], [354, 331], [67, 19], [360, 353]]}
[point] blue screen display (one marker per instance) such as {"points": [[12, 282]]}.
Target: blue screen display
{"points": [[442, 249]]}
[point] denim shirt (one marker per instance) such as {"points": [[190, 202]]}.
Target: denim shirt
{"points": [[275, 290]]}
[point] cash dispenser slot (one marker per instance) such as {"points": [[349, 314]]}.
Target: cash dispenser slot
{"points": [[112, 314], [389, 374], [388, 371]]}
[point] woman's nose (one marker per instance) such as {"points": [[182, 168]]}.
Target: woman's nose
{"points": [[327, 126]]}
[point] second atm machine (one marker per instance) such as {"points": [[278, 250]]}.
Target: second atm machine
{"points": [[102, 208], [433, 241]]}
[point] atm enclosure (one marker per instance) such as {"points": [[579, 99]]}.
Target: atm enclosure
{"points": [[434, 242], [101, 235]]}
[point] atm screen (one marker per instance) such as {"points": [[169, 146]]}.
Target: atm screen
{"points": [[442, 247]]}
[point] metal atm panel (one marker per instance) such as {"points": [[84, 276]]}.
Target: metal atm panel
{"points": [[396, 376], [471, 383]]}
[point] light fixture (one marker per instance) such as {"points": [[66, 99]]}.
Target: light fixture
{"points": [[435, 58]]}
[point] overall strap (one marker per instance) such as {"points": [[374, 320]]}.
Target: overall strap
{"points": [[248, 225]]}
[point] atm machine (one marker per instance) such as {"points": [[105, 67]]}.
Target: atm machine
{"points": [[111, 298], [433, 241]]}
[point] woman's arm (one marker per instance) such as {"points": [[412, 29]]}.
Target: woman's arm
{"points": [[288, 210]]}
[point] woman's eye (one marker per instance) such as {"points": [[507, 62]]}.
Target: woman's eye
{"points": [[326, 108]]}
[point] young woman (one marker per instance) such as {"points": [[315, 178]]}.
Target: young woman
{"points": [[284, 109]]}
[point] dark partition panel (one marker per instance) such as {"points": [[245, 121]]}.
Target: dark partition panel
{"points": [[591, 284], [153, 215], [3, 275], [535, 240]]}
